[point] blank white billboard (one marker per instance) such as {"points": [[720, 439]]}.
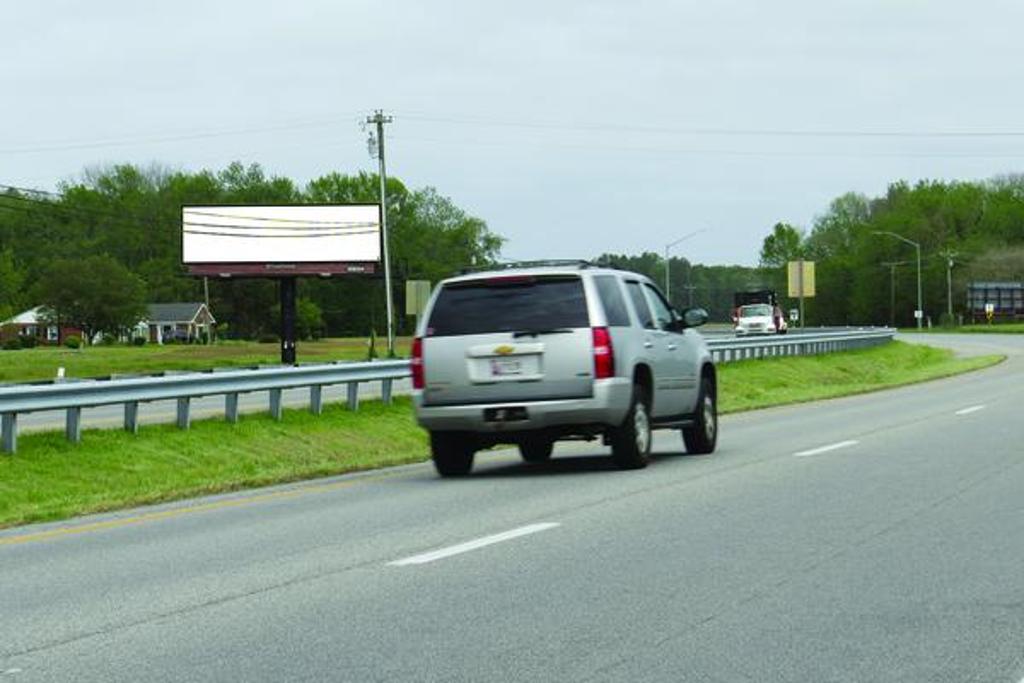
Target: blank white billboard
{"points": [[224, 235]]}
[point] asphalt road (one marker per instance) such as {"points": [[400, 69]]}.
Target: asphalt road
{"points": [[874, 538]]}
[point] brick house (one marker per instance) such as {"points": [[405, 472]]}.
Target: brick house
{"points": [[30, 323]]}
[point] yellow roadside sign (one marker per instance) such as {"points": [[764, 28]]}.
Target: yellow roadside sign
{"points": [[801, 278], [417, 293]]}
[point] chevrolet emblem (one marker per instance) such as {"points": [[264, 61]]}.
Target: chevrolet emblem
{"points": [[504, 350]]}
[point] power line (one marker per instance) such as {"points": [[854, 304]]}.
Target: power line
{"points": [[739, 132], [287, 237], [268, 219], [670, 151], [142, 140]]}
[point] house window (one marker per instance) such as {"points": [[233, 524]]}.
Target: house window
{"points": [[52, 333]]}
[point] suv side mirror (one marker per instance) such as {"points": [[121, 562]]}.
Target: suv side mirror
{"points": [[694, 317]]}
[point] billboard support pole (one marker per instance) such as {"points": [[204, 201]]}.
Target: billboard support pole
{"points": [[288, 287]]}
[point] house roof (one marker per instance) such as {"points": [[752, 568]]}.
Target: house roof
{"points": [[29, 317], [175, 312]]}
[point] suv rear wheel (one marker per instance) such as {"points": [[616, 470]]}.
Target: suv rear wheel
{"points": [[536, 449], [452, 453], [631, 442], [703, 435]]}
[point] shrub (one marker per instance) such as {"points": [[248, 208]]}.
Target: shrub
{"points": [[268, 339], [108, 340], [946, 320], [138, 341], [28, 342], [12, 344], [73, 341]]}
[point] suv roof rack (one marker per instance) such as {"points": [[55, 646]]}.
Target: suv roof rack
{"points": [[508, 265]]}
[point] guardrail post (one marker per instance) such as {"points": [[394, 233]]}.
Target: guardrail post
{"points": [[184, 414], [231, 407], [73, 425], [316, 399], [385, 391], [9, 424], [353, 395], [275, 404], [131, 417]]}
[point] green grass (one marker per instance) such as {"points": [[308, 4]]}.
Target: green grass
{"points": [[51, 479], [981, 328], [751, 384], [98, 361]]}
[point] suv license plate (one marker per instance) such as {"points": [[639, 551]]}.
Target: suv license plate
{"points": [[503, 367], [509, 414]]}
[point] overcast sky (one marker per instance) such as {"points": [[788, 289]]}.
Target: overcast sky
{"points": [[572, 128]]}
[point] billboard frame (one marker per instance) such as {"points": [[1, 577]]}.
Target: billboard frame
{"points": [[283, 269]]}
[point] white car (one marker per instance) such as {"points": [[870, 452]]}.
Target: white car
{"points": [[760, 319]]}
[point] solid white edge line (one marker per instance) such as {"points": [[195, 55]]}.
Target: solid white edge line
{"points": [[968, 411], [475, 544], [826, 449]]}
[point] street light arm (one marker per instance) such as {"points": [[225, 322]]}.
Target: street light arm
{"points": [[899, 237], [919, 313], [684, 238]]}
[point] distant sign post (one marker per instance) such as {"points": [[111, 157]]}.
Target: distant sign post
{"points": [[801, 282], [990, 311], [282, 243], [417, 293]]}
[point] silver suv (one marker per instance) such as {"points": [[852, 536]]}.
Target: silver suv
{"points": [[534, 353]]}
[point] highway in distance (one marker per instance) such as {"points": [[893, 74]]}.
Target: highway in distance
{"points": [[872, 538]]}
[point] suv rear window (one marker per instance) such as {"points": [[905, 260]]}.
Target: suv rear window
{"points": [[509, 304], [611, 296]]}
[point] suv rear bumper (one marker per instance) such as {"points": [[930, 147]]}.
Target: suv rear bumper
{"points": [[608, 406]]}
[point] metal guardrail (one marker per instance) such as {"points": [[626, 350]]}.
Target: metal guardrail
{"points": [[769, 346], [72, 396]]}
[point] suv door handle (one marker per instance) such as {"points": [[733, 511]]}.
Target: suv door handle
{"points": [[671, 347], [648, 344]]}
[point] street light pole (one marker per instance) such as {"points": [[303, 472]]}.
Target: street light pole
{"points": [[919, 314], [668, 280]]}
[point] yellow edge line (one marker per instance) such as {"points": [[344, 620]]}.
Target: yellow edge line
{"points": [[182, 511]]}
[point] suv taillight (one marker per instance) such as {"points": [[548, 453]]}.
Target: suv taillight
{"points": [[604, 354], [416, 363]]}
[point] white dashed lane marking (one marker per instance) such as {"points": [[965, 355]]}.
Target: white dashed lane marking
{"points": [[968, 411], [476, 544], [826, 449]]}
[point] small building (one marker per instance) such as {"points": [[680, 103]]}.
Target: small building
{"points": [[179, 322], [32, 323]]}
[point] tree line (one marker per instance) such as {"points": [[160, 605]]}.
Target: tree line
{"points": [[103, 247], [863, 275], [867, 276]]}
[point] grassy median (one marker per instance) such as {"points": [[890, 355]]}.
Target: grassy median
{"points": [[98, 361], [980, 328], [750, 384], [50, 478]]}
